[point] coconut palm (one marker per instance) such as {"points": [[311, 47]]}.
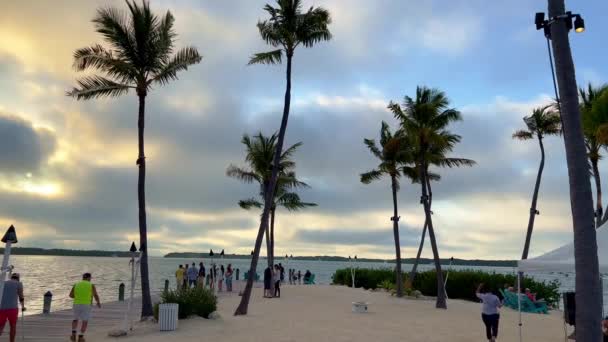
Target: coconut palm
{"points": [[138, 55], [260, 152], [588, 288], [287, 28], [437, 157], [424, 119], [393, 156], [595, 127], [543, 122]]}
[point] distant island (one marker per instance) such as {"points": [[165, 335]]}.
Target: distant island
{"points": [[458, 262], [65, 252], [193, 255]]}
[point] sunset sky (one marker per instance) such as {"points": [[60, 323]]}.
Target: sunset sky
{"points": [[68, 177]]}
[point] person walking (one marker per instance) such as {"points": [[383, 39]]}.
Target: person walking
{"points": [[201, 275], [9, 308], [489, 311], [228, 277], [192, 275], [299, 277], [277, 281], [83, 293], [179, 277]]}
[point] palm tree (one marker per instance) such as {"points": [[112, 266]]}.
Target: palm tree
{"points": [[437, 157], [595, 125], [425, 120], [260, 151], [139, 55], [588, 289], [543, 122], [286, 29], [393, 156]]}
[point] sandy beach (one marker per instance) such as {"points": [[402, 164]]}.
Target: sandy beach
{"points": [[323, 313]]}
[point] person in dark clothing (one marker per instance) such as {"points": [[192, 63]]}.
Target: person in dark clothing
{"points": [[299, 277], [282, 272], [277, 280], [267, 282], [201, 275], [489, 311]]}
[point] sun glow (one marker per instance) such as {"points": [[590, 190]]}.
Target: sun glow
{"points": [[42, 189]]}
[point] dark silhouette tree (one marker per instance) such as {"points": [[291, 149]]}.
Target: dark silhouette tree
{"points": [[139, 55]]}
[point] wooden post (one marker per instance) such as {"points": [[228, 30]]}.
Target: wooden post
{"points": [[166, 285], [237, 274], [121, 292], [46, 307]]}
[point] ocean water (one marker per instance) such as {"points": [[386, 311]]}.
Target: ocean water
{"points": [[57, 274]]}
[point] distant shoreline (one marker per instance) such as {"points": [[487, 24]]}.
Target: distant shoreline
{"points": [[123, 254]]}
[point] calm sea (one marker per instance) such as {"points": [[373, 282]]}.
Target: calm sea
{"points": [[57, 274]]}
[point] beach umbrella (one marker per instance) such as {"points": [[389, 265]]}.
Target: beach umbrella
{"points": [[9, 238]]}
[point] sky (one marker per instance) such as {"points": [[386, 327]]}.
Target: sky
{"points": [[68, 177]]}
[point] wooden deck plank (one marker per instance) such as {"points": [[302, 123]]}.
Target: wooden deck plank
{"points": [[57, 325]]}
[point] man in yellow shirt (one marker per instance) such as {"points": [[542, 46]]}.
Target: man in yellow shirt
{"points": [[83, 293], [179, 277]]}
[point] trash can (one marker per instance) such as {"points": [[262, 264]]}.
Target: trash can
{"points": [[167, 316]]}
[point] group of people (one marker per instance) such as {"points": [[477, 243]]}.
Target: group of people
{"points": [[82, 294], [274, 276], [191, 276]]}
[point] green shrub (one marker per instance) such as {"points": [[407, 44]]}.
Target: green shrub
{"points": [[364, 277], [195, 301], [461, 284], [386, 284]]}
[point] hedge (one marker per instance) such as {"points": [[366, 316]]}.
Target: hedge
{"points": [[195, 301], [461, 284]]}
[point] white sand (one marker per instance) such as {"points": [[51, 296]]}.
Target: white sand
{"points": [[323, 313]]}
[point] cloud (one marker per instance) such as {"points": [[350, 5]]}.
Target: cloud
{"points": [[23, 148]]}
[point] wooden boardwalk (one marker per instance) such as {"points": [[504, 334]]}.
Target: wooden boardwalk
{"points": [[57, 326]]}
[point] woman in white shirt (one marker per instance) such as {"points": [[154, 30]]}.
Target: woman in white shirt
{"points": [[489, 311]]}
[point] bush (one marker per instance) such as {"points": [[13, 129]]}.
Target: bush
{"points": [[364, 277], [195, 301], [461, 284]]}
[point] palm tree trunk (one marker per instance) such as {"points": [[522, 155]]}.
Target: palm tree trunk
{"points": [[412, 276], [146, 299], [268, 252], [441, 302], [269, 193], [395, 219], [598, 193], [534, 200], [588, 289], [272, 211]]}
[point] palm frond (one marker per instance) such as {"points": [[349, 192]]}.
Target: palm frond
{"points": [[114, 26], [96, 87], [523, 135], [368, 177], [246, 176], [455, 162], [250, 203], [270, 57], [181, 61], [96, 57], [371, 145]]}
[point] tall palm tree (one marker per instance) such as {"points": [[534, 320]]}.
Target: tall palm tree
{"points": [[595, 126], [425, 119], [287, 28], [543, 122], [393, 156], [437, 157], [139, 55], [259, 156], [588, 289]]}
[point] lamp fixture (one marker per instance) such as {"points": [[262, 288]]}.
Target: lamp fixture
{"points": [[541, 23]]}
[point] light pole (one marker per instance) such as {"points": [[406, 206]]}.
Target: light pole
{"points": [[588, 290], [9, 238]]}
